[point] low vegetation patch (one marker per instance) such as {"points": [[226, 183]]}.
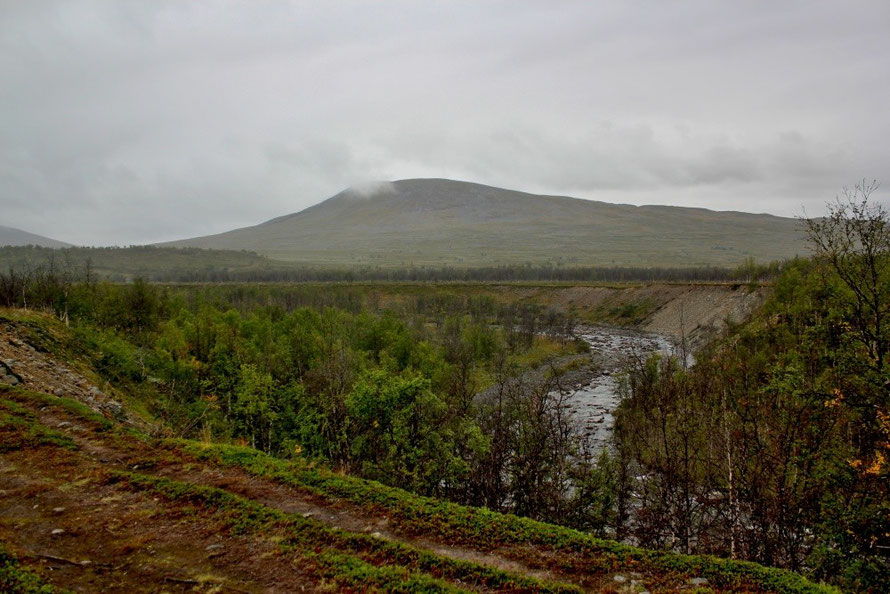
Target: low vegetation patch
{"points": [[341, 556], [16, 579], [19, 429], [15, 395]]}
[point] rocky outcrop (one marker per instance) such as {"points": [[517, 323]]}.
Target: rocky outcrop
{"points": [[7, 375], [31, 366]]}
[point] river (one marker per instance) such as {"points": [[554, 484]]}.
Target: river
{"points": [[593, 403]]}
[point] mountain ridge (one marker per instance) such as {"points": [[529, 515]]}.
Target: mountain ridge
{"points": [[435, 221], [351, 194], [11, 236]]}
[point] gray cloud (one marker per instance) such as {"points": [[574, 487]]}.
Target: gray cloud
{"points": [[132, 122]]}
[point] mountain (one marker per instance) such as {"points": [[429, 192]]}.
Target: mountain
{"points": [[11, 236], [438, 222]]}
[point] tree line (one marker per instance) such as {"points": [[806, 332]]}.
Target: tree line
{"points": [[507, 273], [194, 265]]}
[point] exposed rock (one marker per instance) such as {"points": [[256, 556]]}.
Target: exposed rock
{"points": [[114, 408], [7, 375], [41, 369]]}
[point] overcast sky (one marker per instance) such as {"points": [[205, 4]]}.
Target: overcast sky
{"points": [[134, 122]]}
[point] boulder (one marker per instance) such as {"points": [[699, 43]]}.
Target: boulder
{"points": [[8, 376]]}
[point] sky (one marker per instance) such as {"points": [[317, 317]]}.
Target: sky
{"points": [[127, 123]]}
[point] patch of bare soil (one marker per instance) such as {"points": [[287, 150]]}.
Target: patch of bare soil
{"points": [[694, 312], [61, 516], [697, 313]]}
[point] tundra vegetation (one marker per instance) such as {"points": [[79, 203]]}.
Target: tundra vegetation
{"points": [[773, 447]]}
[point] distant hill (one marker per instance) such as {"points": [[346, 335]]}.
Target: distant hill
{"points": [[148, 262], [11, 236], [435, 222]]}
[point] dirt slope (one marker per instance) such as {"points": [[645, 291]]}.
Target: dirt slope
{"points": [[65, 510], [695, 312], [26, 359]]}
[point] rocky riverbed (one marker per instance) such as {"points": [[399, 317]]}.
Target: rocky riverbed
{"points": [[593, 400]]}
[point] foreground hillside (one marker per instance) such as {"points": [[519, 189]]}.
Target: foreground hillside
{"points": [[438, 222], [89, 505], [93, 498]]}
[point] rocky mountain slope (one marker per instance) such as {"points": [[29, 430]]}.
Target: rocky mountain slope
{"points": [[443, 222]]}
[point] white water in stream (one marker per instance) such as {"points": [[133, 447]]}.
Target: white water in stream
{"points": [[592, 404]]}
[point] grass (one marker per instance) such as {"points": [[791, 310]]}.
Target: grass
{"points": [[19, 429], [544, 349], [630, 314], [20, 395], [347, 558]]}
